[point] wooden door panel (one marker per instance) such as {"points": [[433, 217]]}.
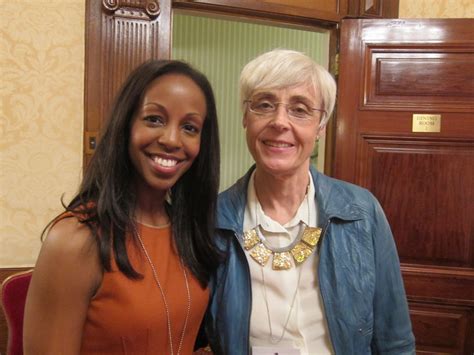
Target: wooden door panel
{"points": [[415, 78], [391, 71], [442, 330], [436, 200], [441, 286]]}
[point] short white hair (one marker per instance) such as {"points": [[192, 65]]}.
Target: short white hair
{"points": [[281, 68]]}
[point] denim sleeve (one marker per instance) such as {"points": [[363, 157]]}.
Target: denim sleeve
{"points": [[392, 326]]}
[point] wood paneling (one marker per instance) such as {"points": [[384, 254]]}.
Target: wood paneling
{"points": [[321, 10], [437, 196], [441, 285], [415, 78], [441, 330], [302, 11], [389, 71]]}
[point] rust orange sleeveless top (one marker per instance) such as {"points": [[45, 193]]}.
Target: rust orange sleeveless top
{"points": [[128, 316]]}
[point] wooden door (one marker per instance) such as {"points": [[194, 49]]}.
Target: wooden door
{"points": [[405, 131]]}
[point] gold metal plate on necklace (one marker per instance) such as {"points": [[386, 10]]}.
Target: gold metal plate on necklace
{"points": [[251, 239], [301, 252], [281, 261], [311, 235], [260, 254]]}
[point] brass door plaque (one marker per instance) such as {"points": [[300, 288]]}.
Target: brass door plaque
{"points": [[426, 123]]}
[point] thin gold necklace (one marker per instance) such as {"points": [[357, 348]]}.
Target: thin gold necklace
{"points": [[158, 283], [274, 340]]}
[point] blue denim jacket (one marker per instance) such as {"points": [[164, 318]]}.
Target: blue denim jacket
{"points": [[359, 274]]}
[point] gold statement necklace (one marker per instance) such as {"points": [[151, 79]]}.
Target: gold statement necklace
{"points": [[158, 283], [282, 258]]}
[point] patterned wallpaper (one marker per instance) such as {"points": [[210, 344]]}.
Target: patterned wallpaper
{"points": [[436, 9], [41, 112], [221, 48], [41, 115]]}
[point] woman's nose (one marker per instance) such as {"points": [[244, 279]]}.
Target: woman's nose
{"points": [[169, 137], [280, 118]]}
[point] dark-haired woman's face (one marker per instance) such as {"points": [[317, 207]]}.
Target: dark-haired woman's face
{"points": [[166, 131]]}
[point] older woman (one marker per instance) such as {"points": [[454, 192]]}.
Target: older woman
{"points": [[311, 264]]}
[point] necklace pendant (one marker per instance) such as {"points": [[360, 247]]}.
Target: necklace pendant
{"points": [[311, 235], [281, 261], [261, 254], [284, 258], [251, 239], [301, 252]]}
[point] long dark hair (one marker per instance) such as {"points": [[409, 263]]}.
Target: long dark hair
{"points": [[107, 200]]}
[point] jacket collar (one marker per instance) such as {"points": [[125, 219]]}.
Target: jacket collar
{"points": [[333, 198]]}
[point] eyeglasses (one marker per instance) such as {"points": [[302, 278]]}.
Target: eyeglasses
{"points": [[298, 111]]}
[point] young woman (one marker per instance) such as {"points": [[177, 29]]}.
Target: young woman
{"points": [[124, 269]]}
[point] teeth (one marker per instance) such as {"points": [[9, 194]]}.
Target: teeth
{"points": [[278, 144], [165, 162]]}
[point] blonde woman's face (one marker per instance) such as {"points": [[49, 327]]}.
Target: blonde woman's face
{"points": [[279, 144]]}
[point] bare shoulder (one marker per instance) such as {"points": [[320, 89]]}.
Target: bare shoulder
{"points": [[70, 236], [66, 276], [70, 252]]}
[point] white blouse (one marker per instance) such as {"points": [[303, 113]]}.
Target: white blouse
{"points": [[288, 297]]}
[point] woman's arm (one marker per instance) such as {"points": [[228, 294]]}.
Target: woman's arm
{"points": [[65, 278], [392, 326]]}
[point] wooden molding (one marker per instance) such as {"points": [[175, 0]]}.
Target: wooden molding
{"points": [[133, 9]]}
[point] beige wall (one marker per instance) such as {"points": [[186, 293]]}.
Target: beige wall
{"points": [[41, 111], [41, 115], [436, 9]]}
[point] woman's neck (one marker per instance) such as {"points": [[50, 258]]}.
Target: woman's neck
{"points": [[280, 196], [150, 208], [156, 217]]}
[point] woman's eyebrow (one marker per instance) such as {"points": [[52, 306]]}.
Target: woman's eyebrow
{"points": [[265, 95], [301, 98], [151, 103]]}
